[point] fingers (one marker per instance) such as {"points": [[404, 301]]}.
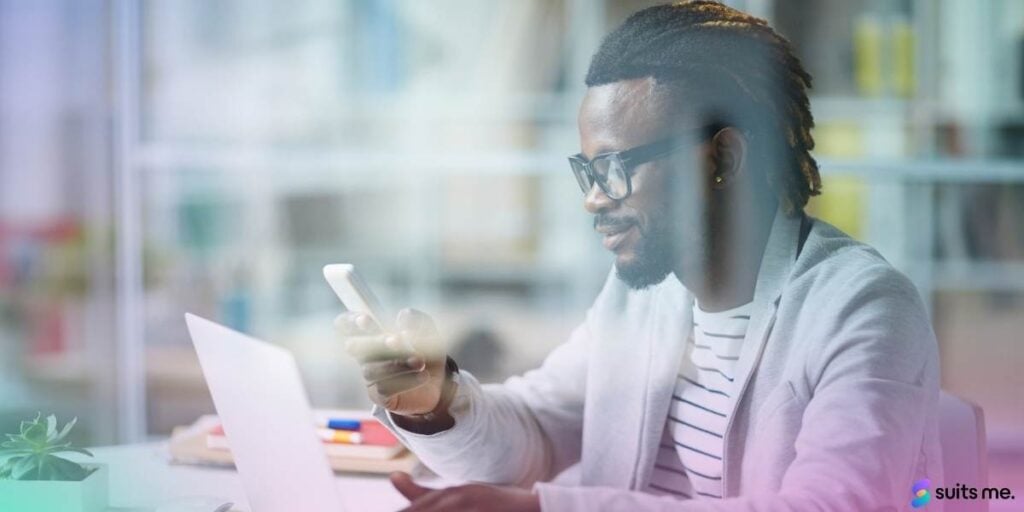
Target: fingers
{"points": [[416, 321], [411, 490], [354, 323], [396, 363], [427, 345], [435, 501], [415, 332], [419, 332], [389, 387], [375, 348], [462, 497], [376, 371]]}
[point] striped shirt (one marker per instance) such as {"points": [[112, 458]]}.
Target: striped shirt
{"points": [[689, 461]]}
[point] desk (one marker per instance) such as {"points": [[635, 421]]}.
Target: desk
{"points": [[142, 478]]}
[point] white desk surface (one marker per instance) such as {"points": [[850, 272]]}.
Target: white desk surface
{"points": [[142, 478]]}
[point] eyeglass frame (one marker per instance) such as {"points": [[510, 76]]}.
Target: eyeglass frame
{"points": [[628, 159]]}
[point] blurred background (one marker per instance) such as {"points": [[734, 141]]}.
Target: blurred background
{"points": [[158, 157]]}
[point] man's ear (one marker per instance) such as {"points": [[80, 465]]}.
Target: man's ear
{"points": [[728, 150]]}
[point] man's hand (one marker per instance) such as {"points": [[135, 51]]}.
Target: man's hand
{"points": [[404, 382], [470, 497]]}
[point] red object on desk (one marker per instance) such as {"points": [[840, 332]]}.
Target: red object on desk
{"points": [[372, 431], [375, 433]]}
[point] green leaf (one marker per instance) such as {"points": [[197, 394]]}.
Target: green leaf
{"points": [[51, 427], [36, 433], [9, 463], [17, 445], [42, 468], [44, 471], [73, 449], [67, 429], [4, 452], [53, 448], [23, 468], [25, 425], [63, 469]]}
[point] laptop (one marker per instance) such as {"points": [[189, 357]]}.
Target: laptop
{"points": [[266, 416]]}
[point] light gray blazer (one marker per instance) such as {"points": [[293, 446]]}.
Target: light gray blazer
{"points": [[836, 394]]}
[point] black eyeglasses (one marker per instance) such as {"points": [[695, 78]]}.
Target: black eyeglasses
{"points": [[613, 171]]}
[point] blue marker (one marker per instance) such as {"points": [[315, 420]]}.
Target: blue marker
{"points": [[341, 424]]}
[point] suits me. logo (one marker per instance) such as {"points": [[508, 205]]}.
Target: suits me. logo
{"points": [[921, 494]]}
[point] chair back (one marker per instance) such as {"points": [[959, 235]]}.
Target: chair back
{"points": [[964, 450]]}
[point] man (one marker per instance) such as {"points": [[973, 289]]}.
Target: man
{"points": [[741, 356]]}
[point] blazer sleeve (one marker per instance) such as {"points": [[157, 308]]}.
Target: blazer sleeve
{"points": [[874, 396], [522, 431]]}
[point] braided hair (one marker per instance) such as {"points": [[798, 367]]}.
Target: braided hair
{"points": [[732, 67]]}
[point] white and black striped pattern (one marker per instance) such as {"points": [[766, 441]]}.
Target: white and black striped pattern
{"points": [[689, 460]]}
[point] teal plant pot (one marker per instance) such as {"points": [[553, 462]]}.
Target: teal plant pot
{"points": [[89, 495]]}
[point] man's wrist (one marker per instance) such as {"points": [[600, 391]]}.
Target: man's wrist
{"points": [[439, 419]]}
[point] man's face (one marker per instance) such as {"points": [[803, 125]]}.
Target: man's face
{"points": [[644, 230]]}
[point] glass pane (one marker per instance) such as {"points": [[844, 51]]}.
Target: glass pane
{"points": [[57, 312], [425, 142]]}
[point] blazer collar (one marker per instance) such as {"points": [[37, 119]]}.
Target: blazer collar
{"points": [[780, 253]]}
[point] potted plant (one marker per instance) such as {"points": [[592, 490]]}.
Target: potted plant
{"points": [[33, 478]]}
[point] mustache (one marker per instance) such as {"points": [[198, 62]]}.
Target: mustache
{"points": [[605, 220]]}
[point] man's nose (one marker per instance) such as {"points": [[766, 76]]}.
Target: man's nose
{"points": [[596, 201]]}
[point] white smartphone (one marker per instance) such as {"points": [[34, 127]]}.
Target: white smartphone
{"points": [[354, 293]]}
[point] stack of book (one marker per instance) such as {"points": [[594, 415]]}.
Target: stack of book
{"points": [[353, 442]]}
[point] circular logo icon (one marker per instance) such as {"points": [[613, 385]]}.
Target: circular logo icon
{"points": [[921, 493]]}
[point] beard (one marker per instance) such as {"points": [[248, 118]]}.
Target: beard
{"points": [[653, 256], [666, 245], [651, 264]]}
